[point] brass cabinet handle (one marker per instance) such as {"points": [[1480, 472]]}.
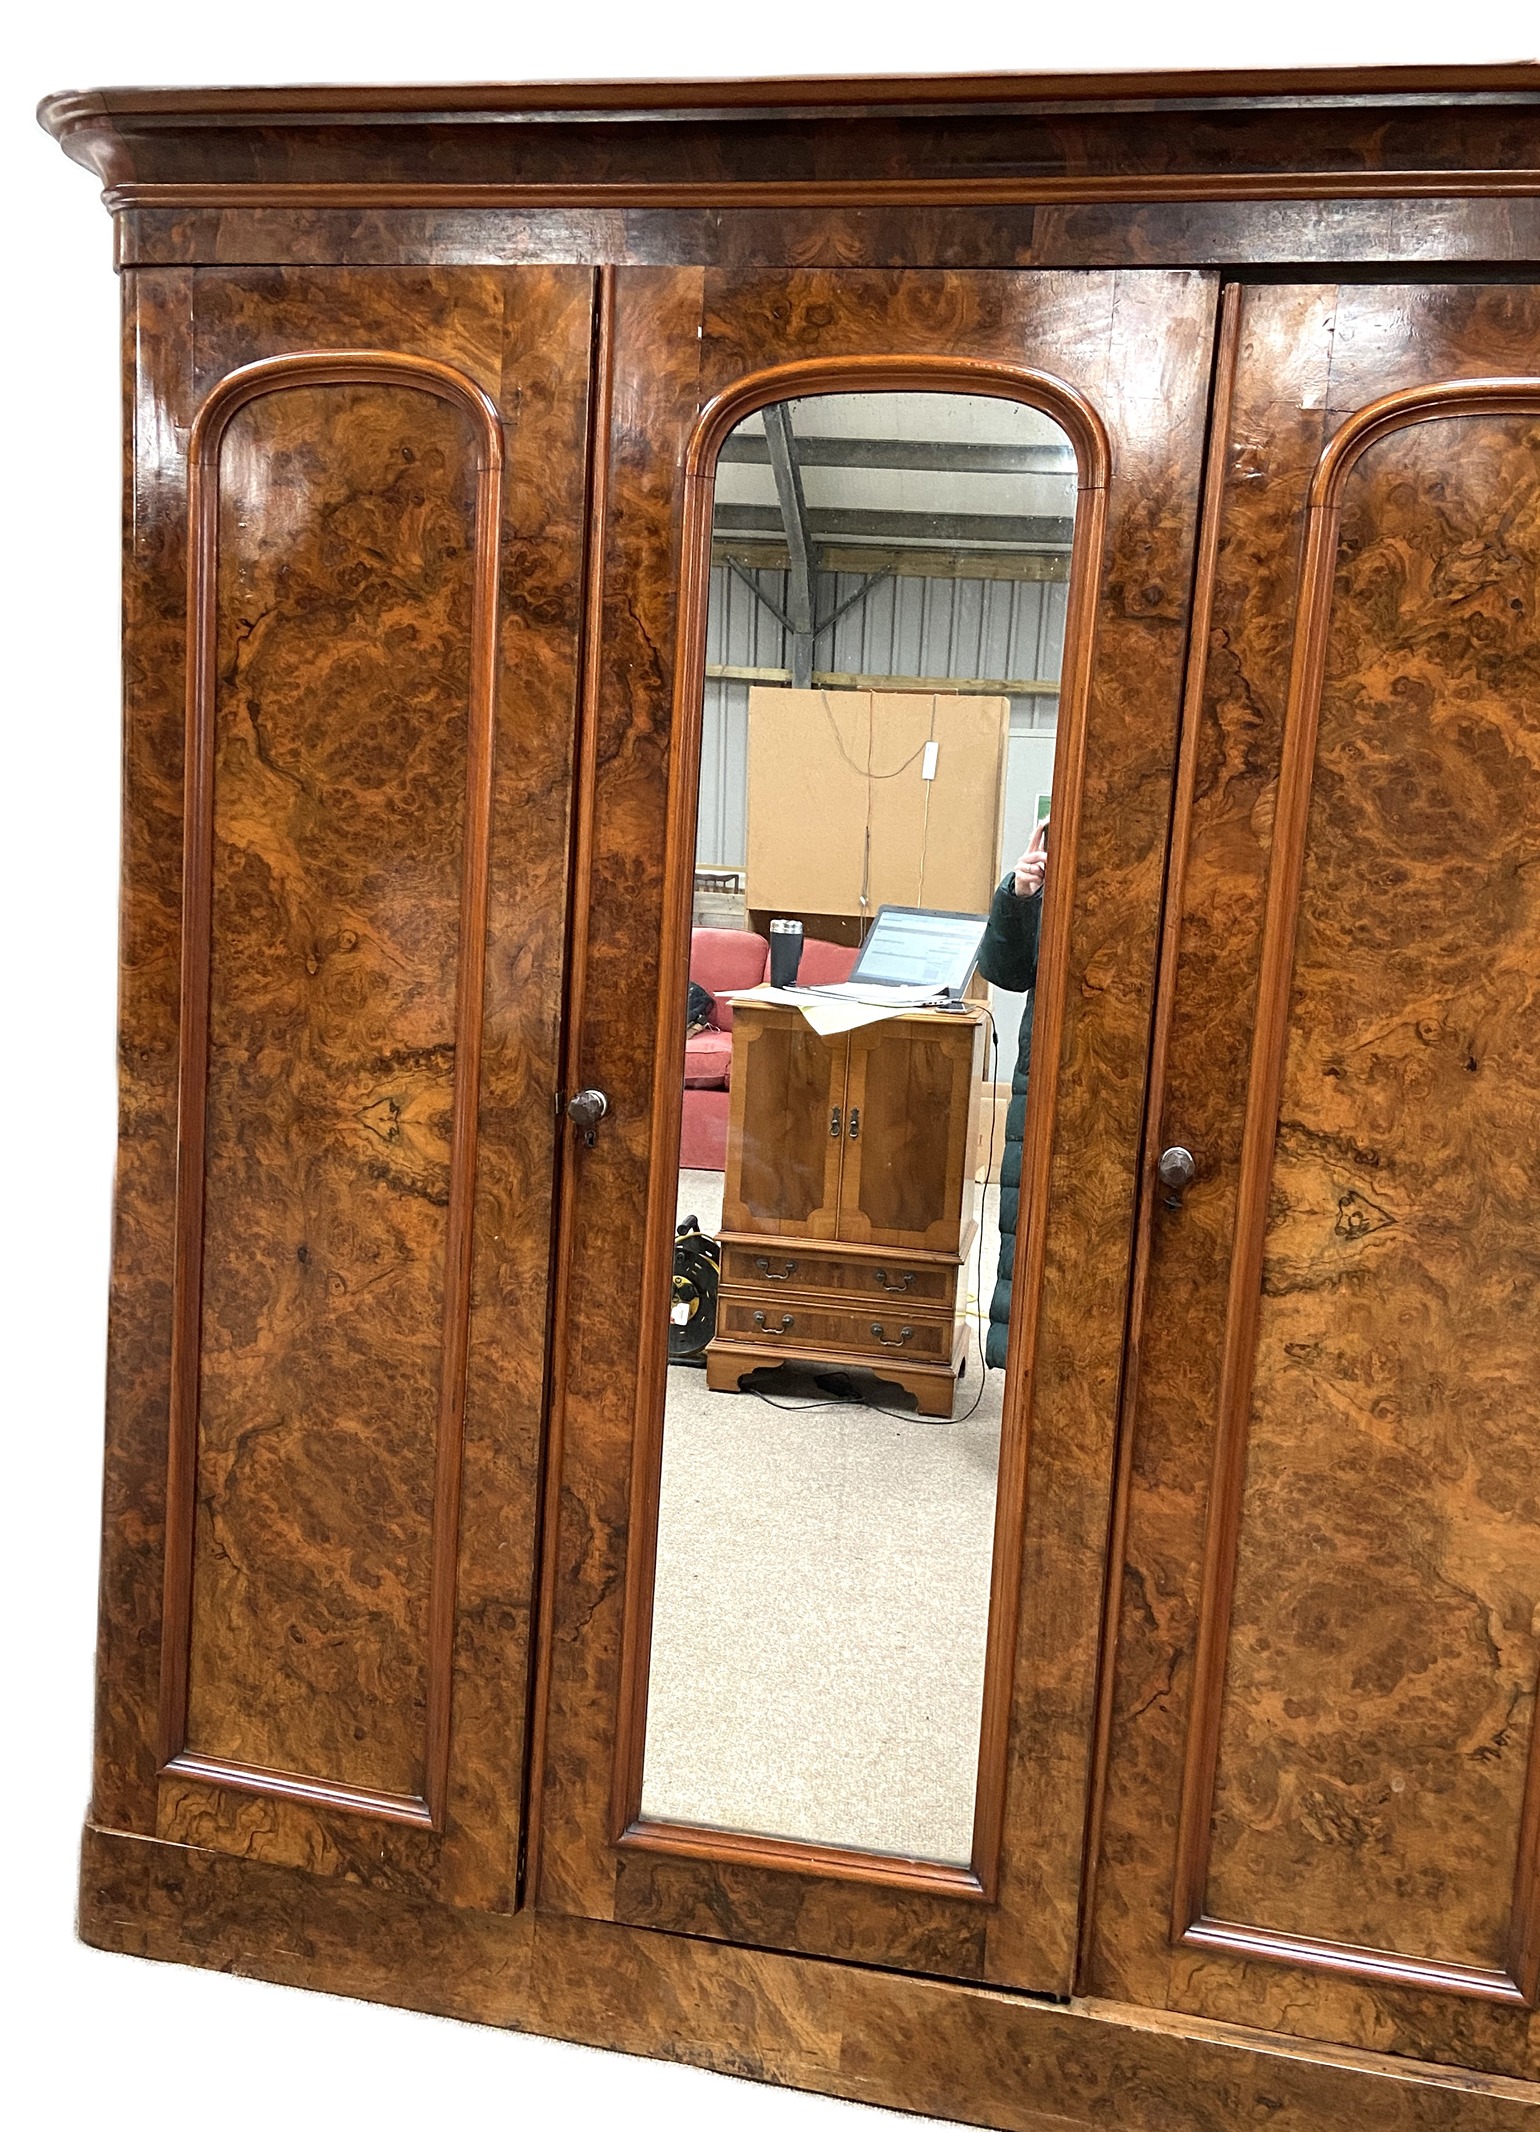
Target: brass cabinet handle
{"points": [[774, 1331], [855, 1123], [893, 1287], [834, 1123], [905, 1332], [764, 1266]]}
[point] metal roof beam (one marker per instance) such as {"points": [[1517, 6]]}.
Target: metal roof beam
{"points": [[1031, 565], [782, 449], [907, 455], [932, 528]]}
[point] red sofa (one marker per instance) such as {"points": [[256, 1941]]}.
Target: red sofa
{"points": [[731, 962]]}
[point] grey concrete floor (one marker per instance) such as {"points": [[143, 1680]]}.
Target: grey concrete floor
{"points": [[822, 1601]]}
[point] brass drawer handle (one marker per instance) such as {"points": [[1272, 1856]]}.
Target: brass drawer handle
{"points": [[855, 1123], [905, 1332], [774, 1331], [764, 1266], [834, 1123], [893, 1287]]}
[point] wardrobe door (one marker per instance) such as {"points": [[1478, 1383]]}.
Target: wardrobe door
{"points": [[355, 507], [653, 1737], [1324, 1778], [786, 1127], [911, 1127]]}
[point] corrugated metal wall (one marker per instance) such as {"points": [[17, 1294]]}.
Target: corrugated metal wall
{"points": [[966, 629]]}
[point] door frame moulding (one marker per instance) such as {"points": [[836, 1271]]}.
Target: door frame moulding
{"points": [[1064, 404], [312, 368], [1517, 1984]]}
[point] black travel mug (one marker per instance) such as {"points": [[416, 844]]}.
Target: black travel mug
{"points": [[785, 950]]}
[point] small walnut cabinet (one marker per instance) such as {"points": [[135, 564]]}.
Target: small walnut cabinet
{"points": [[859, 1149]]}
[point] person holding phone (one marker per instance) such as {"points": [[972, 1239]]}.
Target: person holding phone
{"points": [[1008, 958]]}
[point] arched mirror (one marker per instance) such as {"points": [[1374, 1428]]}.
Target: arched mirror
{"points": [[888, 594]]}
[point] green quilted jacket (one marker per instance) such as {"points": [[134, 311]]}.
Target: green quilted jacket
{"points": [[1008, 958]]}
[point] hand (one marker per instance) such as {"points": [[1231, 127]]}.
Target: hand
{"points": [[1032, 866]]}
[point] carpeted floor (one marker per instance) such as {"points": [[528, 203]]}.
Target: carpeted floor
{"points": [[822, 1599]]}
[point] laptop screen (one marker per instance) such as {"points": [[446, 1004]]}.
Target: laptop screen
{"points": [[917, 947]]}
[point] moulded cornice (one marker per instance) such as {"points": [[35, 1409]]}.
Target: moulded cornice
{"points": [[995, 137]]}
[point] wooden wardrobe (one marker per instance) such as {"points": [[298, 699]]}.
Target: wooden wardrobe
{"points": [[428, 384]]}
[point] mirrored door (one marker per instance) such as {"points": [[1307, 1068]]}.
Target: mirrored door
{"points": [[829, 1551], [871, 851]]}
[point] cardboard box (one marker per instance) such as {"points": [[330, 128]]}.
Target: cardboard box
{"points": [[841, 817]]}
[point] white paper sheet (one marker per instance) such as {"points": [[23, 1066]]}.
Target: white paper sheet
{"points": [[829, 1017]]}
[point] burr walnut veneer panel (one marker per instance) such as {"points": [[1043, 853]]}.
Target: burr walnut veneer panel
{"points": [[1378, 1712], [349, 787]]}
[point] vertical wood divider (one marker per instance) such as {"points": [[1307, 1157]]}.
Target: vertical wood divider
{"points": [[1205, 572], [580, 882]]}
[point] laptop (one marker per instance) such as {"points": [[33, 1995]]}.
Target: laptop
{"points": [[911, 956]]}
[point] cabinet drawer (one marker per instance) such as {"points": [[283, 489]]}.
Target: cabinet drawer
{"points": [[783, 1265], [875, 1329]]}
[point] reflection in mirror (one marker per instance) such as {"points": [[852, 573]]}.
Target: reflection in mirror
{"points": [[888, 590]]}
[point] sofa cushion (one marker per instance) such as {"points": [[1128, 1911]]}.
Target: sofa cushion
{"points": [[703, 1129], [708, 1059], [825, 962], [723, 961]]}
